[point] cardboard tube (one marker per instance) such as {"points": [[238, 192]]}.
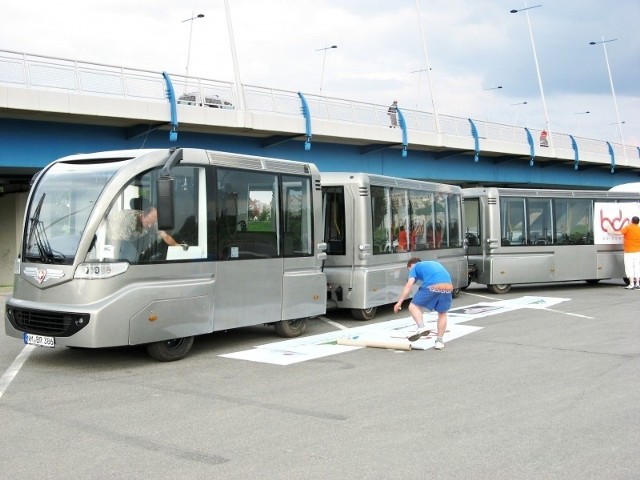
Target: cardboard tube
{"points": [[394, 345]]}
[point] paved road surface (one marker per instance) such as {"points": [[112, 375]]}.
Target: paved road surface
{"points": [[534, 394]]}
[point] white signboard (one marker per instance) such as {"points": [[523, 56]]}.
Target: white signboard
{"points": [[612, 215]]}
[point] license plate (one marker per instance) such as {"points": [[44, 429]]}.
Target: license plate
{"points": [[39, 340]]}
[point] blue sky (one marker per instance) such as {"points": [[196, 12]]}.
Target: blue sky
{"points": [[473, 46]]}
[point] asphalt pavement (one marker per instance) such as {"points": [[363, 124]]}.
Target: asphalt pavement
{"points": [[545, 393]]}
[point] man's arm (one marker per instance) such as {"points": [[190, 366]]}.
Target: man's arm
{"points": [[168, 239], [405, 292]]}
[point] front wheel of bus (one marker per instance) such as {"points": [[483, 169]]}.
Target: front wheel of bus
{"points": [[291, 328], [364, 313], [170, 350], [499, 288]]}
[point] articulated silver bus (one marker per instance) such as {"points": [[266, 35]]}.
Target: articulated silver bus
{"points": [[373, 224], [156, 246], [519, 236]]}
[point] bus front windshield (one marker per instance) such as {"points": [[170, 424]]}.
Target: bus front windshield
{"points": [[60, 207]]}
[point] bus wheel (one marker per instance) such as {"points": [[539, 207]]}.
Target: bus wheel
{"points": [[499, 288], [593, 281], [364, 313], [455, 292], [170, 350], [291, 328]]}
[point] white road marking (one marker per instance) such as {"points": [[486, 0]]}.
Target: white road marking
{"points": [[331, 322], [568, 313], [15, 367], [480, 296]]}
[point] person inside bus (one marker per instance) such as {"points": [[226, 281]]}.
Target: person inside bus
{"points": [[631, 246], [135, 232], [402, 239], [434, 294], [438, 236], [413, 237]]}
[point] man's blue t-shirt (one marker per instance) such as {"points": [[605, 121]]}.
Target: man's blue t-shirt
{"points": [[429, 273]]}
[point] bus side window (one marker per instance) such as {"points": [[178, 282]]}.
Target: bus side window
{"points": [[512, 219]]}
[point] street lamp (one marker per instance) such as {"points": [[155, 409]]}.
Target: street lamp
{"points": [[515, 120], [498, 87], [324, 60], [535, 58], [580, 119], [613, 92], [193, 17], [419, 84]]}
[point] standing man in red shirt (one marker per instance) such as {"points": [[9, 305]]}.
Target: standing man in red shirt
{"points": [[631, 245]]}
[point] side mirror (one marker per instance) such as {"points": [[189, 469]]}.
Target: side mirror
{"points": [[166, 220]]}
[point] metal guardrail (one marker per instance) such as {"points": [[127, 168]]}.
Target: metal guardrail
{"points": [[41, 72]]}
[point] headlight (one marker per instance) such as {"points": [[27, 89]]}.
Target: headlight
{"points": [[95, 271]]}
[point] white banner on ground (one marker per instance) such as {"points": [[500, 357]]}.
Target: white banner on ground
{"points": [[317, 346]]}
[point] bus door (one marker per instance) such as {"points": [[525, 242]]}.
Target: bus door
{"points": [[575, 256], [473, 225], [303, 283], [249, 267], [473, 234]]}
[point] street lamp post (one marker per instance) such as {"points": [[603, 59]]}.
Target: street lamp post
{"points": [[498, 87], [324, 60], [234, 58], [515, 120], [419, 84], [436, 118], [613, 92], [535, 58], [193, 17], [580, 119], [617, 124]]}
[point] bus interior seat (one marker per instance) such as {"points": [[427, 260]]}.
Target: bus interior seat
{"points": [[136, 203], [472, 239]]}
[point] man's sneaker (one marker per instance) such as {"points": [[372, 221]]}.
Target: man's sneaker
{"points": [[629, 287], [421, 332], [439, 345], [637, 287]]}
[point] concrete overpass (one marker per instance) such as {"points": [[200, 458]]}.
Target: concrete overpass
{"points": [[51, 107]]}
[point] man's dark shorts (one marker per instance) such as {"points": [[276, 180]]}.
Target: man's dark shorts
{"points": [[438, 301]]}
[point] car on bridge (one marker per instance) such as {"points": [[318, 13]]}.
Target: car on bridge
{"points": [[212, 101]]}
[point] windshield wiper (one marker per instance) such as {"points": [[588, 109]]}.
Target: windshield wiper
{"points": [[38, 235], [35, 219]]}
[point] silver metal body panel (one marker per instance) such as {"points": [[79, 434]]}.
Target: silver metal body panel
{"points": [[500, 265], [150, 303], [369, 280]]}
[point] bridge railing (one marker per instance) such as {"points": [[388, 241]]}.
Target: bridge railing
{"points": [[40, 72]]}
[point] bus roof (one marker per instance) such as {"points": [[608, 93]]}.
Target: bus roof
{"points": [[626, 187]]}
